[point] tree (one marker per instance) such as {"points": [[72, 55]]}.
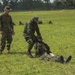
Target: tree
{"points": [[5, 2], [0, 6]]}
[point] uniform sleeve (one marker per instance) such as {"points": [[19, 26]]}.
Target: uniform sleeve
{"points": [[0, 24], [47, 48], [37, 30], [11, 24], [25, 29]]}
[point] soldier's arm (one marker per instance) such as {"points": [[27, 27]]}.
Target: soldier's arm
{"points": [[0, 24], [47, 48], [11, 24], [37, 30], [25, 28]]}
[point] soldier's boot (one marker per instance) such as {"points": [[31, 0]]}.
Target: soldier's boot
{"points": [[60, 59], [67, 59], [8, 48], [2, 49], [30, 45], [29, 54]]}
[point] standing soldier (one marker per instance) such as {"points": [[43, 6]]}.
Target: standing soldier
{"points": [[6, 29], [29, 30]]}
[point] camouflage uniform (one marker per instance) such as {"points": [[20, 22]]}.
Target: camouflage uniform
{"points": [[29, 30], [43, 52], [59, 59], [6, 27], [41, 47]]}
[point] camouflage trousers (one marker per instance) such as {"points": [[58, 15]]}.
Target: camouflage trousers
{"points": [[47, 57], [5, 40], [30, 42], [59, 59]]}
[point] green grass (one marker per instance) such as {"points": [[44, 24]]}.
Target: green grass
{"points": [[60, 36]]}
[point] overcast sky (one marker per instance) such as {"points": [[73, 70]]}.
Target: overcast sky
{"points": [[50, 0]]}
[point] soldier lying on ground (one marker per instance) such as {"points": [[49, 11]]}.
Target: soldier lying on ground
{"points": [[40, 22], [20, 23], [42, 50], [50, 22]]}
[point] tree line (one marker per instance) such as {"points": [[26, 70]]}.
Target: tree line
{"points": [[18, 5]]}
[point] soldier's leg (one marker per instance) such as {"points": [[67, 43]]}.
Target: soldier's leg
{"points": [[67, 59], [45, 56], [9, 41], [36, 50], [37, 54], [60, 59], [2, 43], [30, 45]]}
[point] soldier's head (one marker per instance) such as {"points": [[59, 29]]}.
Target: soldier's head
{"points": [[35, 18], [7, 9], [39, 39]]}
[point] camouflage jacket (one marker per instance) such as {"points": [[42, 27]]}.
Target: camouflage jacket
{"points": [[42, 48], [6, 23], [30, 28]]}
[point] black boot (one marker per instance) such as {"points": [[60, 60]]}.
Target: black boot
{"points": [[29, 54], [68, 59], [60, 59], [8, 48]]}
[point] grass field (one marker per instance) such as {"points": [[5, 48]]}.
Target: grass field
{"points": [[60, 36]]}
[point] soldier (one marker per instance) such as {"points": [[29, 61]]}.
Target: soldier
{"points": [[40, 22], [50, 22], [20, 23], [6, 29], [29, 30], [42, 50], [41, 47]]}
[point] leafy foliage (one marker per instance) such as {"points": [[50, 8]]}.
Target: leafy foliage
{"points": [[37, 4]]}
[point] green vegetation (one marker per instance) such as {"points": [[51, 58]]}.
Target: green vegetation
{"points": [[60, 36], [20, 5]]}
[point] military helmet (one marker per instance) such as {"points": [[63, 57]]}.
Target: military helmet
{"points": [[39, 38], [7, 7], [35, 18]]}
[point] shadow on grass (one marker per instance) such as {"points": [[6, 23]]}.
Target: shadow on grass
{"points": [[12, 53]]}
